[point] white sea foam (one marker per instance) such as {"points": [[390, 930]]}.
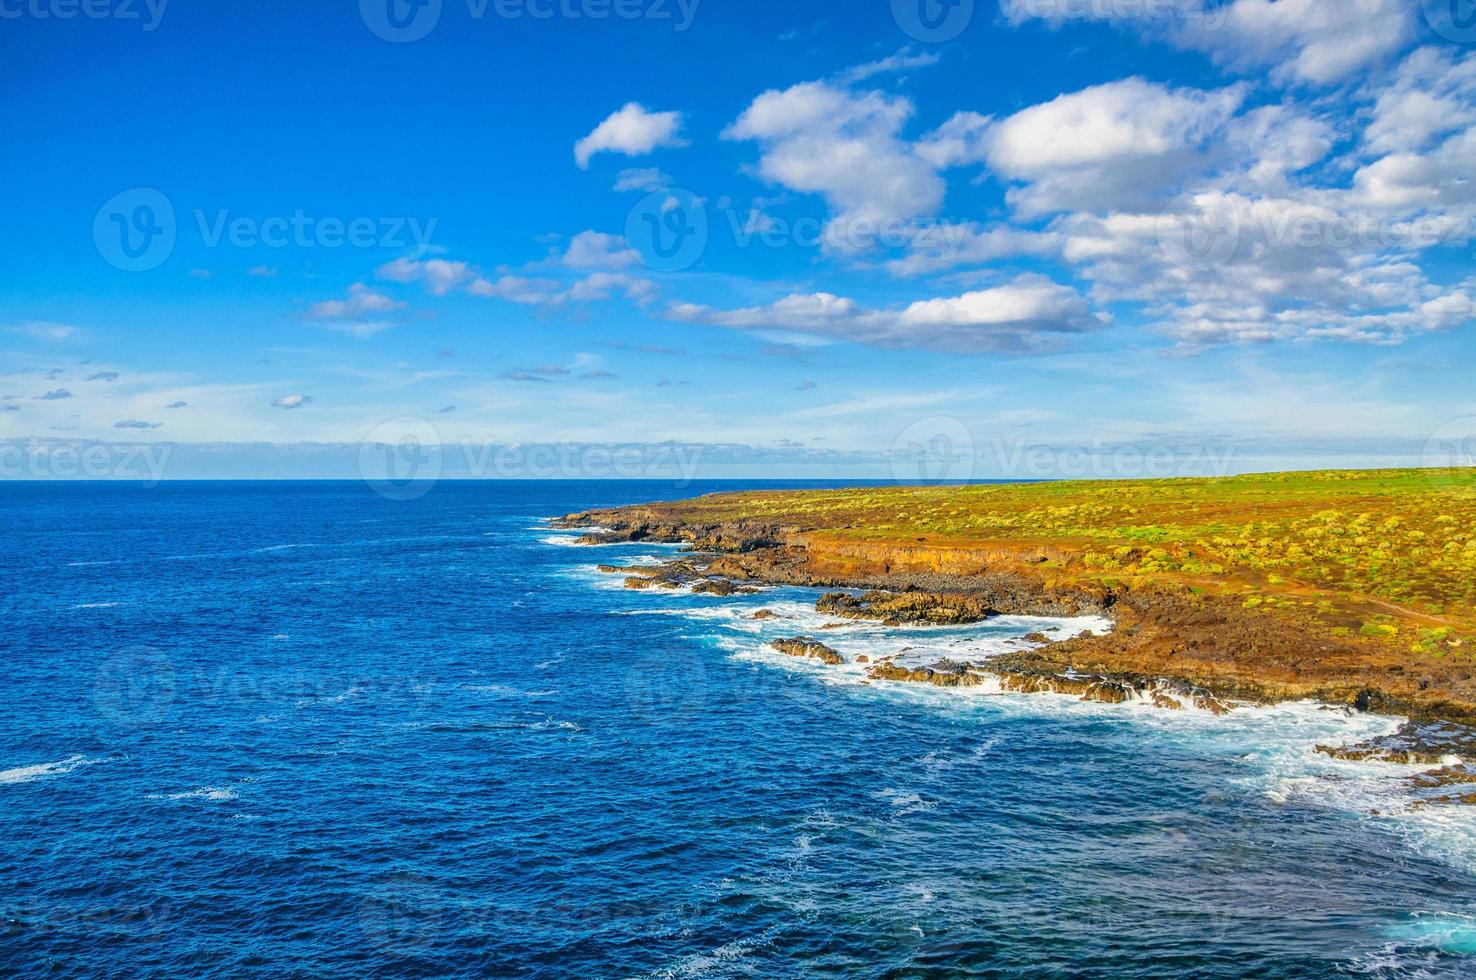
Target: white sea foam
{"points": [[1272, 749], [566, 541], [1275, 746], [97, 605], [45, 770], [208, 794]]}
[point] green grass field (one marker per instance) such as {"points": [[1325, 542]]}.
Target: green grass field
{"points": [[1388, 555]]}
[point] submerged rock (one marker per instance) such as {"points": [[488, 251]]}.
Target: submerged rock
{"points": [[766, 614]]}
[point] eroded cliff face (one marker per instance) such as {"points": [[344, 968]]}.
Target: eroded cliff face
{"points": [[1210, 646]]}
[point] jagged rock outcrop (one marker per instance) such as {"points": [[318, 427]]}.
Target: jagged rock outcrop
{"points": [[805, 646]]}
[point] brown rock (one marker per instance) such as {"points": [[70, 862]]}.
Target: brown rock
{"points": [[804, 646]]}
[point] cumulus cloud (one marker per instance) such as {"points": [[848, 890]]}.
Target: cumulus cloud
{"points": [[290, 402], [103, 376], [1432, 93], [633, 131], [1309, 41], [592, 255], [55, 395], [438, 276], [1110, 145], [818, 138], [602, 285], [596, 250], [1303, 41], [1030, 313], [945, 245], [516, 289]]}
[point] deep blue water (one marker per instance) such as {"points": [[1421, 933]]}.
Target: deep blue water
{"points": [[303, 729]]}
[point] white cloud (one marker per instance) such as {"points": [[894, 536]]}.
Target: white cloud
{"points": [[1308, 41], [820, 139], [439, 276], [595, 257], [43, 330], [596, 250], [361, 302], [601, 285], [515, 289], [1106, 146], [290, 402], [633, 131], [1029, 314], [945, 245], [1432, 93], [959, 141], [1108, 124], [903, 61], [1273, 142], [647, 179]]}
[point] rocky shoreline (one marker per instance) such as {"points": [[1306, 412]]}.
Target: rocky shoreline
{"points": [[1172, 649]]}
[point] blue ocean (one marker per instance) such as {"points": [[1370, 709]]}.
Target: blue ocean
{"points": [[304, 729]]}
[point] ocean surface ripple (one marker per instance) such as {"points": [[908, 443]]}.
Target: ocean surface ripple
{"points": [[304, 729]]}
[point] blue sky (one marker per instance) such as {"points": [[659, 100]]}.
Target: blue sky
{"points": [[1236, 234]]}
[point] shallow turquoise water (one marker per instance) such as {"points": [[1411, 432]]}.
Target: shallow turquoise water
{"points": [[304, 729]]}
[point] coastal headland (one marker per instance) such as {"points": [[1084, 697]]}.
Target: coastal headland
{"points": [[1352, 588]]}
